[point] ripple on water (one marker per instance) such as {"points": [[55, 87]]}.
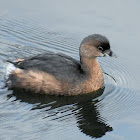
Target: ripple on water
{"points": [[37, 36], [58, 114], [123, 98]]}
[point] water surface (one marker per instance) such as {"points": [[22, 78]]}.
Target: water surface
{"points": [[32, 27]]}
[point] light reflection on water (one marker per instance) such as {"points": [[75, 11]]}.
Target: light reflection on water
{"points": [[64, 108], [105, 114]]}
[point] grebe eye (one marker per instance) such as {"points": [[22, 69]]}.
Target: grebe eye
{"points": [[100, 48]]}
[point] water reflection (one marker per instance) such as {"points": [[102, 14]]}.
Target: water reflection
{"points": [[83, 107]]}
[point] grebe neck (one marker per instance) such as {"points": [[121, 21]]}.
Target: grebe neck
{"points": [[90, 65], [92, 69]]}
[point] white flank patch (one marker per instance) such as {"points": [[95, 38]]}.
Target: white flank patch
{"points": [[9, 69]]}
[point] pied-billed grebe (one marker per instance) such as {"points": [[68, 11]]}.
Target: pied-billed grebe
{"points": [[52, 73]]}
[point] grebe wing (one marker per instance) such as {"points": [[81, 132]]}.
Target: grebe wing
{"points": [[59, 65]]}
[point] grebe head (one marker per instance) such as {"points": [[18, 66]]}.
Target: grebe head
{"points": [[95, 45]]}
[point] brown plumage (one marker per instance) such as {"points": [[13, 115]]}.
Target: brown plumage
{"points": [[59, 74]]}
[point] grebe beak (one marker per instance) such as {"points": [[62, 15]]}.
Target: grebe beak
{"points": [[110, 53]]}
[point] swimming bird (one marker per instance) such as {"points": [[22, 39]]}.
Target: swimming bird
{"points": [[59, 74]]}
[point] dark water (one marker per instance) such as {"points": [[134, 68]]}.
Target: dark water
{"points": [[30, 27]]}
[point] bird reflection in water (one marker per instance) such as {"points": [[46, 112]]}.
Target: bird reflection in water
{"points": [[87, 114]]}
